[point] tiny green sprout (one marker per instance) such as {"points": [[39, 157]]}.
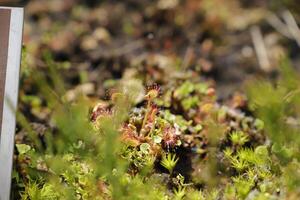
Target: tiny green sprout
{"points": [[213, 194], [228, 153], [239, 165], [193, 194], [179, 193], [243, 186], [248, 156], [169, 162], [238, 138]]}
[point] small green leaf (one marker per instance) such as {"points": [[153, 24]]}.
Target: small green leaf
{"points": [[23, 148], [198, 127], [201, 87], [184, 90], [145, 147], [157, 139], [262, 151], [190, 102]]}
